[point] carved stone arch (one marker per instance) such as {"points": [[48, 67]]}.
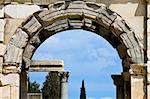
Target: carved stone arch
{"points": [[63, 16]]}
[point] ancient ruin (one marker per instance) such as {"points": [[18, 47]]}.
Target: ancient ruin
{"points": [[125, 24]]}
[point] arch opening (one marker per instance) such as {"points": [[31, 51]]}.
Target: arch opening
{"points": [[59, 45]]}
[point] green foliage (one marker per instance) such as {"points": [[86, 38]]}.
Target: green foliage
{"points": [[51, 86], [34, 87]]}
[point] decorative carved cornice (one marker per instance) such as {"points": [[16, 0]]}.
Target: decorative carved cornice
{"points": [[138, 69]]}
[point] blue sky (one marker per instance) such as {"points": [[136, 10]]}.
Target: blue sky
{"points": [[88, 57]]}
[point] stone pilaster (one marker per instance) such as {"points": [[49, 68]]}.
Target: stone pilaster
{"points": [[10, 81], [64, 84], [119, 82], [138, 81], [9, 88], [148, 80]]}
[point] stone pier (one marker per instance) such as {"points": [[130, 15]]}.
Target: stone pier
{"points": [[138, 77]]}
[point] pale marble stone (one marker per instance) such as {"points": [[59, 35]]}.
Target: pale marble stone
{"points": [[2, 24], [11, 27], [20, 38], [20, 11], [138, 29], [123, 9], [2, 49], [14, 55], [1, 11], [1, 65], [10, 86], [32, 26]]}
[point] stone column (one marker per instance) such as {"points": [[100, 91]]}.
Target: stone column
{"points": [[64, 84], [138, 81], [10, 81], [118, 81]]}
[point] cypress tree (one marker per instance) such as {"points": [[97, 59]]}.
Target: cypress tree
{"points": [[83, 92]]}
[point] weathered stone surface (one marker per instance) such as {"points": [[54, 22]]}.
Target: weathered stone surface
{"points": [[123, 9], [59, 25], [20, 38], [11, 27], [2, 23], [2, 49], [46, 65], [20, 11], [29, 51], [32, 25], [14, 55], [137, 87], [22, 1], [1, 11], [138, 69], [121, 50], [1, 64], [138, 29], [10, 86]]}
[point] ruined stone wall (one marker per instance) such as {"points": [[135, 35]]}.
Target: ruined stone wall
{"points": [[13, 14]]}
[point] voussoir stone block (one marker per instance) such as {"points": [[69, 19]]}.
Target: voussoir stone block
{"points": [[20, 11], [20, 38], [11, 27], [32, 25], [28, 51], [13, 54]]}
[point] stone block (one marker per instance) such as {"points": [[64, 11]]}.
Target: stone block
{"points": [[43, 2], [20, 11], [138, 29], [1, 64], [21, 1], [2, 24], [28, 51], [10, 86], [136, 86], [13, 54], [11, 27], [20, 38], [10, 79], [2, 49], [148, 54], [32, 25], [1, 11], [123, 9]]}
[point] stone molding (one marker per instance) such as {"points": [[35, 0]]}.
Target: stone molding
{"points": [[138, 69], [118, 80], [11, 68]]}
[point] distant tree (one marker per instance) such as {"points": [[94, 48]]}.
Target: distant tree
{"points": [[33, 87], [51, 86]]}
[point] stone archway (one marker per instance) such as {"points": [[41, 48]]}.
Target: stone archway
{"points": [[65, 15]]}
